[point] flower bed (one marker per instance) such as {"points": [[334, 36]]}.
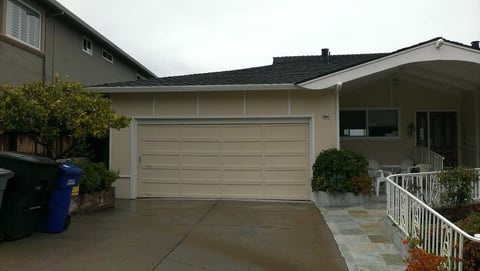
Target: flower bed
{"points": [[93, 202]]}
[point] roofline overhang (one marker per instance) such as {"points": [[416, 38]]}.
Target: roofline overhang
{"points": [[436, 50], [82, 24], [194, 88]]}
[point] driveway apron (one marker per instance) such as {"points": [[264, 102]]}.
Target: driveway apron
{"points": [[184, 235]]}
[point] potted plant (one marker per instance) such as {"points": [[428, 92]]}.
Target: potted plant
{"points": [[340, 178]]}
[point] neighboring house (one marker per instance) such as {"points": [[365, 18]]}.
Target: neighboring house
{"points": [[255, 133], [41, 38]]}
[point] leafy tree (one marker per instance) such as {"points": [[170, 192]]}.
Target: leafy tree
{"points": [[45, 112]]}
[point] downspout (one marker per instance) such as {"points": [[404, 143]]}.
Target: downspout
{"points": [[54, 25], [338, 87]]}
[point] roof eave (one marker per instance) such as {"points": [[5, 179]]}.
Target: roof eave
{"points": [[194, 88], [438, 49]]}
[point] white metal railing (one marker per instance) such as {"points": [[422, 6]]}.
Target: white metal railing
{"points": [[409, 197], [424, 155]]}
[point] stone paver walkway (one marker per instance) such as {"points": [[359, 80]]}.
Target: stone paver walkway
{"points": [[360, 235]]}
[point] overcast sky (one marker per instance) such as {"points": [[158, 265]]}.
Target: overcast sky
{"points": [[172, 37]]}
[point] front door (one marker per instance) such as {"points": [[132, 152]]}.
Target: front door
{"points": [[438, 131]]}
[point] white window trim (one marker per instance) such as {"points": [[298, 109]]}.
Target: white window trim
{"points": [[107, 52], [90, 52], [380, 138], [40, 24]]}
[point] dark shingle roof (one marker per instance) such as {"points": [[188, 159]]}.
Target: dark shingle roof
{"points": [[283, 70]]}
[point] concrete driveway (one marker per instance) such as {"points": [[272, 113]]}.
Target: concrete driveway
{"points": [[184, 235]]}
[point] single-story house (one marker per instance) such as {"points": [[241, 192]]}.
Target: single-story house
{"points": [[255, 133]]}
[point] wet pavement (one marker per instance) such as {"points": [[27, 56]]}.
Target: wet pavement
{"points": [[186, 235], [360, 234]]}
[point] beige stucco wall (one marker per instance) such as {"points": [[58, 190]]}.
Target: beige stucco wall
{"points": [[320, 105], [406, 97]]}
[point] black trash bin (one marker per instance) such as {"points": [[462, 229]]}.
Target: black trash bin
{"points": [[55, 218], [5, 175], [25, 192]]}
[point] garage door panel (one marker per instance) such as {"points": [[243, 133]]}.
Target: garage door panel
{"points": [[264, 161], [241, 132], [295, 175], [200, 132], [160, 145], [243, 175], [298, 131], [242, 146], [160, 190], [160, 159], [160, 173], [242, 161], [200, 175], [285, 160], [285, 147], [201, 146], [201, 161], [163, 132], [285, 191]]}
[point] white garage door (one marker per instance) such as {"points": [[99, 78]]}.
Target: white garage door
{"points": [[261, 161]]}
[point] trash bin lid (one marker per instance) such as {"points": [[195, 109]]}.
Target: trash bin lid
{"points": [[67, 168], [5, 173], [24, 157]]}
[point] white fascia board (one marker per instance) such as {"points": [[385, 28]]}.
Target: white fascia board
{"points": [[197, 88], [435, 50]]}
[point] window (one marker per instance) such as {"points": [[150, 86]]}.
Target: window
{"points": [[87, 46], [139, 76], [107, 56], [23, 23], [369, 123]]}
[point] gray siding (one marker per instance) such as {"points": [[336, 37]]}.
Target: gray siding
{"points": [[66, 57], [61, 54], [18, 66]]}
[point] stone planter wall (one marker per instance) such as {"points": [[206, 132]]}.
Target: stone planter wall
{"points": [[324, 199], [396, 236], [92, 202]]}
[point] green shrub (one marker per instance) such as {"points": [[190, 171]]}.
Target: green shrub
{"points": [[457, 184], [340, 171], [96, 177]]}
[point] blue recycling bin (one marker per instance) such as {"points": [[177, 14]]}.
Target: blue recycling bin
{"points": [[55, 218]]}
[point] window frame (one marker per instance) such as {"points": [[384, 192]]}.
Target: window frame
{"points": [[87, 50], [106, 57], [24, 5], [367, 136]]}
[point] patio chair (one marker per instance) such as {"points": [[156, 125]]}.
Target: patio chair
{"points": [[406, 165], [379, 175]]}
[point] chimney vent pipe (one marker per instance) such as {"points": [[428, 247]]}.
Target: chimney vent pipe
{"points": [[325, 52], [475, 44]]}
